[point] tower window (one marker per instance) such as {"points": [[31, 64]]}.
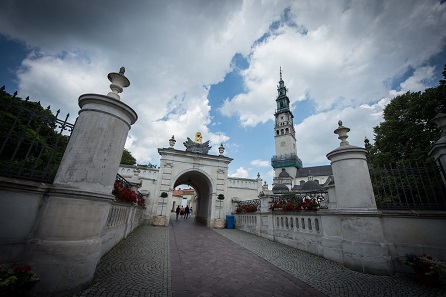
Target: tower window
{"points": [[287, 130], [277, 132], [281, 131]]}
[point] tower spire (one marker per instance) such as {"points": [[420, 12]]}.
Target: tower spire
{"points": [[284, 133]]}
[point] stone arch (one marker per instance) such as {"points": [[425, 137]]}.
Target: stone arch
{"points": [[203, 185], [208, 175]]}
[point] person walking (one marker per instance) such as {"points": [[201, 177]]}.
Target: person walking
{"points": [[186, 212], [182, 211], [177, 211]]}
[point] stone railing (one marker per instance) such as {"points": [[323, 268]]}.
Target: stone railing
{"points": [[339, 235], [121, 220]]}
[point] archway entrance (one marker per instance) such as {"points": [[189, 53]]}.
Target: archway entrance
{"points": [[207, 174], [203, 190]]}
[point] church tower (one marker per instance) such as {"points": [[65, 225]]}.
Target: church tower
{"points": [[285, 162]]}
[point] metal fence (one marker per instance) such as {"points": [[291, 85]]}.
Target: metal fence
{"points": [[321, 196], [409, 186], [32, 139], [126, 184], [248, 206], [255, 202]]}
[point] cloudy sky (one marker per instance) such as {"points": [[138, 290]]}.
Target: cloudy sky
{"points": [[213, 66]]}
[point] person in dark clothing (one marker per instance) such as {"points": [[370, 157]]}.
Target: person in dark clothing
{"points": [[186, 212], [177, 211]]}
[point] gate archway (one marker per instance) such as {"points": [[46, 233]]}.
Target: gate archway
{"points": [[207, 174], [203, 187]]}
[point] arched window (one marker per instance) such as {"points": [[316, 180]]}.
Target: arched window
{"points": [[287, 130]]}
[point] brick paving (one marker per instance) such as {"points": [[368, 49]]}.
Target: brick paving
{"points": [[189, 259], [327, 276], [137, 266], [204, 263]]}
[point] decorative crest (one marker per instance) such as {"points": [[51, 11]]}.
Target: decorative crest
{"points": [[196, 147]]}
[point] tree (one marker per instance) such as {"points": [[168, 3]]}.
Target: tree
{"points": [[31, 138], [443, 81], [406, 132], [127, 158], [150, 165]]}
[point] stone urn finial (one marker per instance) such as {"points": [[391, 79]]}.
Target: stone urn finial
{"points": [[440, 121], [221, 150], [172, 142], [118, 82], [342, 132]]}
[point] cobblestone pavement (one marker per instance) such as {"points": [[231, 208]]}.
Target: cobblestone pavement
{"points": [[327, 276], [204, 263], [188, 259], [137, 266]]}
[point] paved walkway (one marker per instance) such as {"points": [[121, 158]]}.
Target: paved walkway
{"points": [[188, 259]]}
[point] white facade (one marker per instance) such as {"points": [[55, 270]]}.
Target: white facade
{"points": [[207, 174]]}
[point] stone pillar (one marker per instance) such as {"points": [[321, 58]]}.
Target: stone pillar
{"points": [[353, 231], [351, 175], [265, 202], [66, 246], [438, 151]]}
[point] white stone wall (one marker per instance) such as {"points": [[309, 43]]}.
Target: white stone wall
{"points": [[209, 169], [352, 239], [23, 202], [243, 188]]}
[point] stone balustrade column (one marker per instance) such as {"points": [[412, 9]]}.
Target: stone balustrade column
{"points": [[94, 151], [67, 244], [353, 230], [351, 175]]}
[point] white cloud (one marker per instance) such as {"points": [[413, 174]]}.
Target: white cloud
{"points": [[171, 51], [346, 58], [261, 163], [316, 137], [343, 56], [240, 172], [417, 82]]}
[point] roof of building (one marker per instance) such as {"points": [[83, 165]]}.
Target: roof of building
{"points": [[284, 173], [296, 188], [280, 188], [323, 170], [311, 185], [179, 192]]}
